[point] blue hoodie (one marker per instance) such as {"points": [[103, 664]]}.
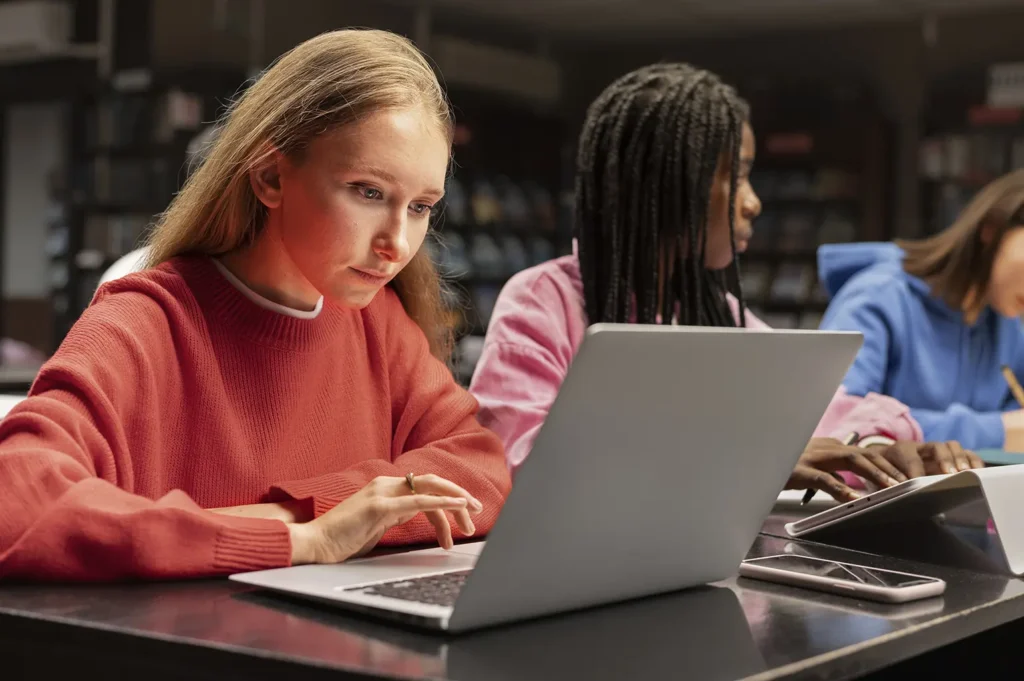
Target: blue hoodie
{"points": [[919, 350]]}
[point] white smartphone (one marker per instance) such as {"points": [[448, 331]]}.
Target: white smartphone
{"points": [[845, 579]]}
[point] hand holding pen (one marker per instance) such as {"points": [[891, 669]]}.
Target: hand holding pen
{"points": [[883, 466], [821, 462]]}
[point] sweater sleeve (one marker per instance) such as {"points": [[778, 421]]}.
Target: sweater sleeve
{"points": [[859, 310], [858, 307], [516, 386], [872, 414], [434, 431], [972, 429], [66, 512], [531, 342]]}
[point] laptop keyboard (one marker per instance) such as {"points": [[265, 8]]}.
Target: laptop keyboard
{"points": [[432, 590]]}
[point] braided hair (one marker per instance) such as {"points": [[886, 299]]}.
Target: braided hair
{"points": [[646, 164]]}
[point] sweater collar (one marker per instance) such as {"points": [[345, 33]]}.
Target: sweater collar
{"points": [[222, 301], [266, 303]]}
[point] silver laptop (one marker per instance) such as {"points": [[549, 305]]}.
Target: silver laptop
{"points": [[663, 452]]}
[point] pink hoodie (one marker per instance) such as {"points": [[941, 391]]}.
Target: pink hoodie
{"points": [[538, 325]]}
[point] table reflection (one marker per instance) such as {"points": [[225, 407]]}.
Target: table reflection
{"points": [[700, 633]]}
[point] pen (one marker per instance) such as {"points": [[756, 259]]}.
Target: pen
{"points": [[847, 441], [1011, 380]]}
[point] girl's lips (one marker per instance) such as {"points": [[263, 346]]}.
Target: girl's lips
{"points": [[371, 277]]}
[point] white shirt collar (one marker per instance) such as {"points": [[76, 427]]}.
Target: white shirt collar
{"points": [[264, 302]]}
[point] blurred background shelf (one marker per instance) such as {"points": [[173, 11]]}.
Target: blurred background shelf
{"points": [[873, 120], [968, 142]]}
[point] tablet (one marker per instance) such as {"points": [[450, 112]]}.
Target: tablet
{"points": [[858, 506]]}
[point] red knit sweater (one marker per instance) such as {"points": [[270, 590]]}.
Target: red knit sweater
{"points": [[174, 393]]}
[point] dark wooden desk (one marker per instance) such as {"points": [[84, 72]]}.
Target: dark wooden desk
{"points": [[738, 629]]}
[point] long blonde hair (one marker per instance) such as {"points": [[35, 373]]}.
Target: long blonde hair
{"points": [[324, 83], [957, 262]]}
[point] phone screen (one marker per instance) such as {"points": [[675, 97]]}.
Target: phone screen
{"points": [[841, 571]]}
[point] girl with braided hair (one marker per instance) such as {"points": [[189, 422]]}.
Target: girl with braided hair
{"points": [[663, 206]]}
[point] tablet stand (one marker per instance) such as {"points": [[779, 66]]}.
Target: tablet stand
{"points": [[908, 525]]}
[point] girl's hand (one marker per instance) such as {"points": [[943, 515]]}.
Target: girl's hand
{"points": [[354, 526]]}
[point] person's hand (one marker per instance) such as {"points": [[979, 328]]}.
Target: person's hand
{"points": [[916, 459], [286, 511], [1013, 426], [824, 457], [354, 526], [880, 465]]}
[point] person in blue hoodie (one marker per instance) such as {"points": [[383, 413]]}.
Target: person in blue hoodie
{"points": [[941, 317]]}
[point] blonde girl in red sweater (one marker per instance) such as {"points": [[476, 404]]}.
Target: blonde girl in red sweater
{"points": [[271, 391]]}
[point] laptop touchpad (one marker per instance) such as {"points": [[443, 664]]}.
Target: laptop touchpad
{"points": [[402, 566]]}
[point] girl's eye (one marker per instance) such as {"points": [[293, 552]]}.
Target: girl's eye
{"points": [[421, 208], [368, 192]]}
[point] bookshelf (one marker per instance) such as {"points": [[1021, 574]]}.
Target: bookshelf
{"points": [[822, 176], [506, 208], [128, 148], [65, 73], [966, 145]]}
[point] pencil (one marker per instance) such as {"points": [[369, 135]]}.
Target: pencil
{"points": [[1011, 380]]}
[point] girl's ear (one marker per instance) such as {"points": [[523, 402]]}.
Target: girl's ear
{"points": [[265, 179]]}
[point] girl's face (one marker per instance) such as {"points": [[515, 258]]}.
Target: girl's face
{"points": [[1006, 284], [718, 250], [355, 209]]}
